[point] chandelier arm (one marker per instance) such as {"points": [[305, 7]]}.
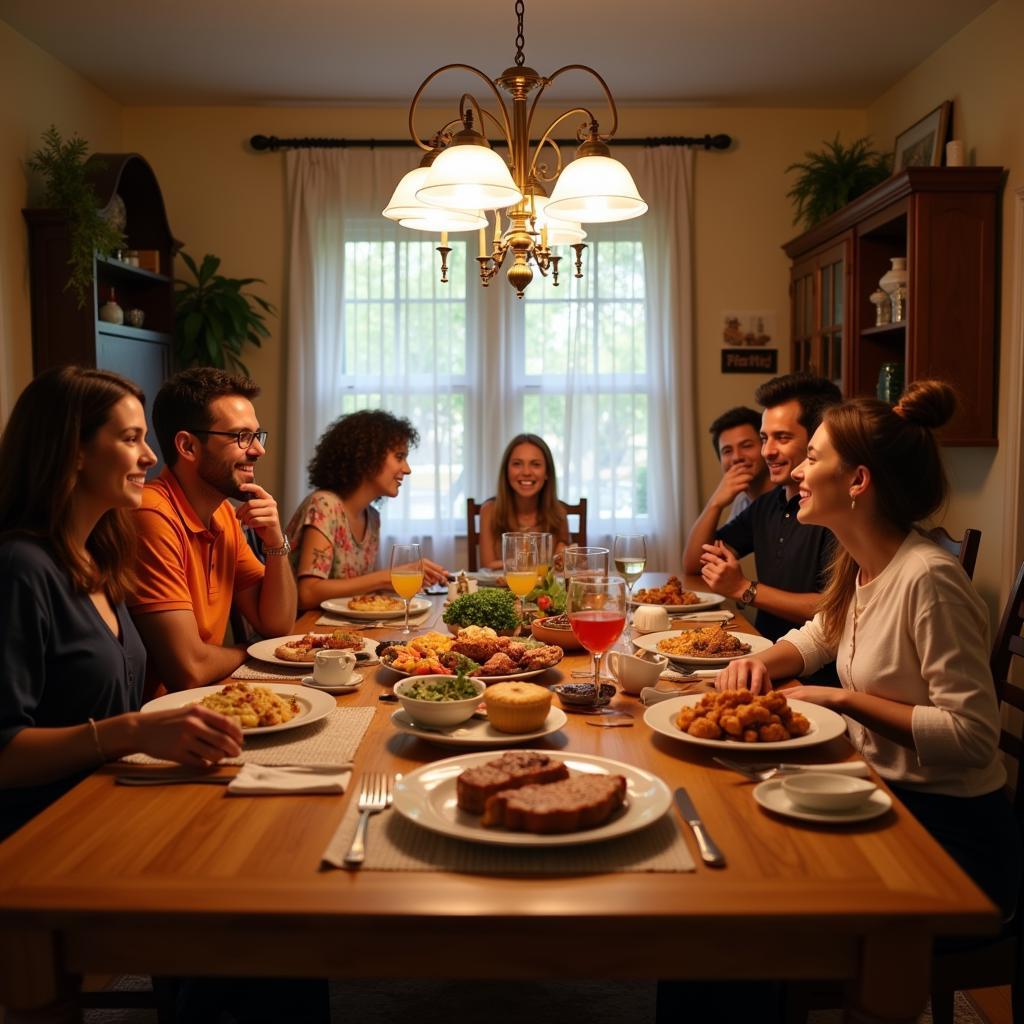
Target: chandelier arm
{"points": [[546, 137], [604, 86], [535, 166], [450, 67]]}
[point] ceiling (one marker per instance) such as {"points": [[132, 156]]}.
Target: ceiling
{"points": [[809, 53]]}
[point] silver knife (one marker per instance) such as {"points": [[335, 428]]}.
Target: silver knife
{"points": [[709, 852]]}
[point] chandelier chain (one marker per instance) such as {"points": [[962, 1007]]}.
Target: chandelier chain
{"points": [[520, 38]]}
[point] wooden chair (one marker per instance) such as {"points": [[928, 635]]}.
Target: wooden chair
{"points": [[965, 549], [1000, 962], [578, 536]]}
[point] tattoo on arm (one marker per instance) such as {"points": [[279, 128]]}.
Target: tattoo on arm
{"points": [[323, 558]]}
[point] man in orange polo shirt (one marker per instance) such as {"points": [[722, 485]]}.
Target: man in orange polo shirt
{"points": [[193, 557]]}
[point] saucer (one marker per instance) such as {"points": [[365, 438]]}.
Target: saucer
{"points": [[771, 796], [354, 682]]}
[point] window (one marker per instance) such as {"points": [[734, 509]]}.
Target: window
{"points": [[575, 362]]}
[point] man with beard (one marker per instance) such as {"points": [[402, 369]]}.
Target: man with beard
{"points": [[193, 557], [791, 558]]}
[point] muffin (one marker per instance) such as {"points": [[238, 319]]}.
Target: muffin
{"points": [[517, 707]]}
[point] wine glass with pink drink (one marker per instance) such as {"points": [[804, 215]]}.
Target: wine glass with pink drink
{"points": [[596, 606]]}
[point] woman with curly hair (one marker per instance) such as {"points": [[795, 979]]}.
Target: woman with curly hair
{"points": [[335, 532], [526, 499], [906, 629]]}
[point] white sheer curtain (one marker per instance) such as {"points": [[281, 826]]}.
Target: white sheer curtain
{"points": [[364, 333], [471, 367]]}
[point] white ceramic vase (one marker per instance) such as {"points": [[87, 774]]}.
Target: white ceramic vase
{"points": [[895, 276]]}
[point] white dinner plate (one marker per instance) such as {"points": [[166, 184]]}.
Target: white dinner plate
{"points": [[313, 704], [340, 606], [825, 725], [353, 684], [772, 797], [486, 577], [650, 641], [706, 601], [427, 798], [263, 650], [477, 732]]}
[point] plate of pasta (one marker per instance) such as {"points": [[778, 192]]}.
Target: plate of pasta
{"points": [[711, 645], [260, 708]]}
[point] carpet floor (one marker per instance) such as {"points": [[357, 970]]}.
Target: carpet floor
{"points": [[384, 1002]]}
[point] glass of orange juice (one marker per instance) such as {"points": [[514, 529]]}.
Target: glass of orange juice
{"points": [[520, 557], [406, 574], [545, 547]]}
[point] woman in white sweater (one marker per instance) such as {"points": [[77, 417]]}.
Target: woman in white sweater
{"points": [[907, 631]]}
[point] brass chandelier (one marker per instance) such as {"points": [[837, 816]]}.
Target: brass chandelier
{"points": [[461, 179]]}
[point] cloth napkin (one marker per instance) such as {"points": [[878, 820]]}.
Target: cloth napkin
{"points": [[253, 669], [649, 695], [342, 623], [260, 780]]}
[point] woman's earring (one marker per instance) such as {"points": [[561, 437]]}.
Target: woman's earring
{"points": [[853, 503]]}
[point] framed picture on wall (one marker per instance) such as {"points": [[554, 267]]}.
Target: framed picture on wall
{"points": [[921, 145]]}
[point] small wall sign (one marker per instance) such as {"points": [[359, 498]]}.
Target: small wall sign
{"points": [[760, 360]]}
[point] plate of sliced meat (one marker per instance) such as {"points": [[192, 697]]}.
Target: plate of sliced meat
{"points": [[531, 798]]}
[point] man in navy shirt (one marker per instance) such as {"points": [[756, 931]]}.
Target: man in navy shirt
{"points": [[791, 558]]}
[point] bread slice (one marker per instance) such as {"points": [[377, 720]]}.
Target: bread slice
{"points": [[579, 802], [513, 769]]}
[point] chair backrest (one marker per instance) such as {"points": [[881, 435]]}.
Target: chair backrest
{"points": [[965, 549], [1009, 644], [577, 536]]}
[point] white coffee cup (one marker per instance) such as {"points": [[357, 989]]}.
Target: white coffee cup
{"points": [[333, 668], [650, 618], [634, 671]]}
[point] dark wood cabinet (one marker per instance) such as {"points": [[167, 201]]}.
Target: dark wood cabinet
{"points": [[63, 331], [945, 221]]}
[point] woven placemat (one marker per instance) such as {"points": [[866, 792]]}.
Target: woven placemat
{"points": [[253, 669], [333, 740], [342, 623], [395, 844]]}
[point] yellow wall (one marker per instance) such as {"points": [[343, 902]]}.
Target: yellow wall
{"points": [[36, 91], [979, 69], [225, 199]]}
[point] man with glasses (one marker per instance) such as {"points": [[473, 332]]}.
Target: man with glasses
{"points": [[193, 557]]}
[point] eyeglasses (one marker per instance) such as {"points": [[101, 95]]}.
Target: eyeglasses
{"points": [[243, 438]]}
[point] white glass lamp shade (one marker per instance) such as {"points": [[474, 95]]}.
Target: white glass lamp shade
{"points": [[560, 232], [469, 177], [595, 189], [436, 219], [403, 202]]}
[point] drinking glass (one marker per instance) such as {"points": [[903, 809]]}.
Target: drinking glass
{"points": [[629, 553], [406, 574], [597, 613], [584, 561], [545, 548], [520, 558]]}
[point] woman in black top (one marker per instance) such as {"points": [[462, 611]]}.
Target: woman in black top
{"points": [[73, 459]]}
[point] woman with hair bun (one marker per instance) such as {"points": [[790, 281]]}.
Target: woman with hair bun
{"points": [[909, 635]]}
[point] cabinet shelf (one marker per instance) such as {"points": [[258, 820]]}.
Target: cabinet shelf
{"points": [[882, 329], [65, 333], [945, 222]]}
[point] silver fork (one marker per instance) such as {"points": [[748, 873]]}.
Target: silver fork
{"points": [[761, 772], [752, 772], [374, 797]]}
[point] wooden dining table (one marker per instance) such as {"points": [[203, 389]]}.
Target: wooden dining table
{"points": [[183, 880]]}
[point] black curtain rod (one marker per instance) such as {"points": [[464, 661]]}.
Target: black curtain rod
{"points": [[263, 143]]}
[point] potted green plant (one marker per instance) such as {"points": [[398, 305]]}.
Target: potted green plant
{"points": [[68, 188], [214, 317], [831, 178]]}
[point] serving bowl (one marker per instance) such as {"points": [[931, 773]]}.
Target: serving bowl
{"points": [[547, 634], [438, 712], [822, 791]]}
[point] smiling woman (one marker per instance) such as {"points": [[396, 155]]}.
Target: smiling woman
{"points": [[335, 533], [72, 664]]}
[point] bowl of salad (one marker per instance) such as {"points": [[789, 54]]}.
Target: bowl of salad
{"points": [[440, 700]]}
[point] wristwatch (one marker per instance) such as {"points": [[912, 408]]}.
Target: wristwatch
{"points": [[284, 549], [749, 596]]}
